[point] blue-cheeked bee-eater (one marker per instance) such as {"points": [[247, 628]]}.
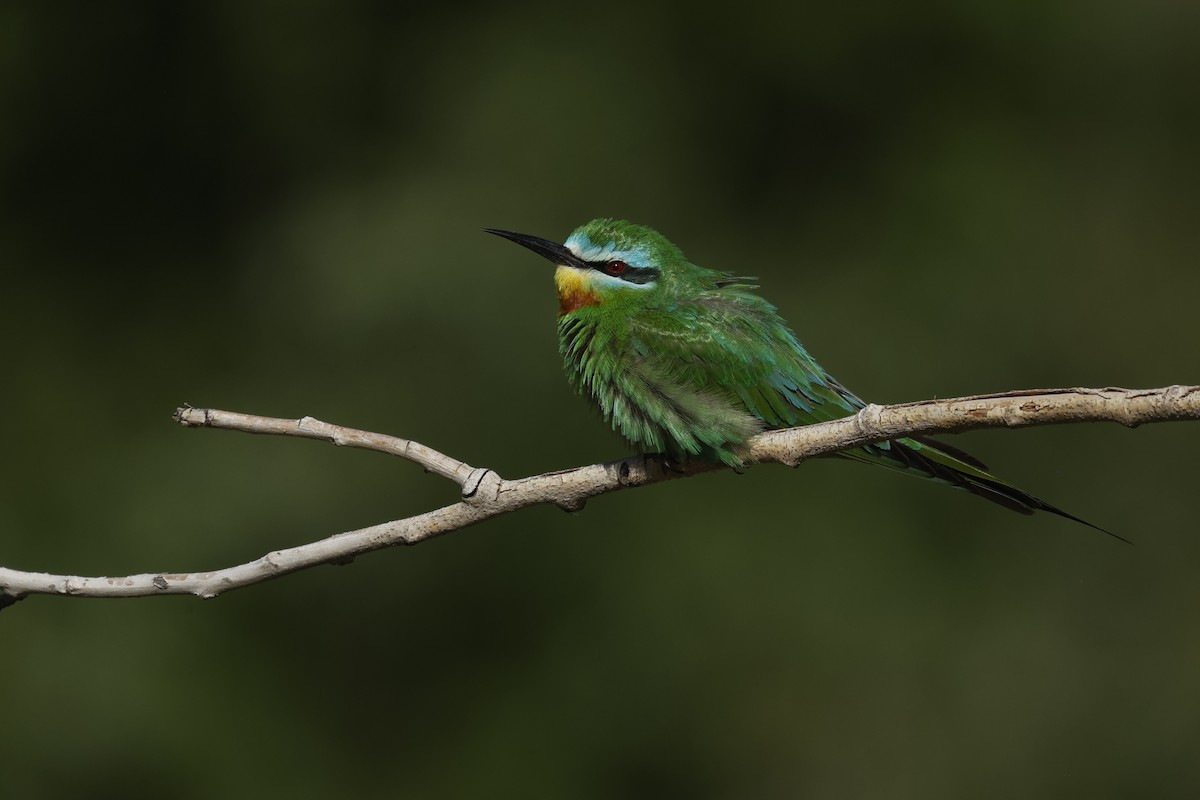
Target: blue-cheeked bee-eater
{"points": [[690, 363]]}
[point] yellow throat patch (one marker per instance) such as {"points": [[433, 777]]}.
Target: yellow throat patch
{"points": [[574, 290]]}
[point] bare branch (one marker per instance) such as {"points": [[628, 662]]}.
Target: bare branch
{"points": [[485, 494], [1130, 407], [310, 428]]}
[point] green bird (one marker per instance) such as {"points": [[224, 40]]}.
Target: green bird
{"points": [[690, 362]]}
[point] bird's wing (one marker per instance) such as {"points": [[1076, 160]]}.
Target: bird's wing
{"points": [[737, 345]]}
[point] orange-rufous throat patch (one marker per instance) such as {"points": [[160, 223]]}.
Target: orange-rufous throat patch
{"points": [[574, 290]]}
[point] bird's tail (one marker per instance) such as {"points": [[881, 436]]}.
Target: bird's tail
{"points": [[929, 458]]}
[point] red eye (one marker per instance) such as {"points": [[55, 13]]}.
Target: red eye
{"points": [[615, 267]]}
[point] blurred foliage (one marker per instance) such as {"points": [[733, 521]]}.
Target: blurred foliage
{"points": [[275, 208]]}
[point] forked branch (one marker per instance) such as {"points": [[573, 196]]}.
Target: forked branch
{"points": [[485, 494]]}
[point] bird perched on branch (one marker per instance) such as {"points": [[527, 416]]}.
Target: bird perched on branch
{"points": [[691, 363]]}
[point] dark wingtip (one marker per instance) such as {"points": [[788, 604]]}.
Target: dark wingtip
{"points": [[1025, 503], [983, 486], [1059, 512]]}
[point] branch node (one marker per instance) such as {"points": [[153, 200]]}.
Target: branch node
{"points": [[869, 419], [572, 505], [471, 485]]}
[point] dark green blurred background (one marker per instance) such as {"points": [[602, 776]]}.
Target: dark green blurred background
{"points": [[275, 208]]}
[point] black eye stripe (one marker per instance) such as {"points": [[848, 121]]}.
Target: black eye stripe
{"points": [[632, 274]]}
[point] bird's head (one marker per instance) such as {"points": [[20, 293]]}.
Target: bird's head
{"points": [[611, 261]]}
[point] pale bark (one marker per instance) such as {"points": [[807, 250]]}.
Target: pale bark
{"points": [[485, 494]]}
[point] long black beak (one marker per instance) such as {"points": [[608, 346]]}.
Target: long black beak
{"points": [[551, 251]]}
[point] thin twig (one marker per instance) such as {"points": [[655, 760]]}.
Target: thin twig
{"points": [[310, 428], [486, 495]]}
